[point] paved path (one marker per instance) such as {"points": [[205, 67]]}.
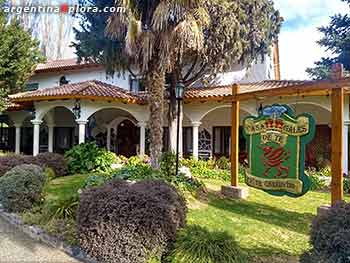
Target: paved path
{"points": [[16, 246]]}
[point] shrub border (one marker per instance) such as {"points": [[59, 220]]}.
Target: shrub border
{"points": [[38, 234]]}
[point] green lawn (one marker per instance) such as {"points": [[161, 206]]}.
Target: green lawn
{"points": [[273, 229], [64, 187], [267, 228]]}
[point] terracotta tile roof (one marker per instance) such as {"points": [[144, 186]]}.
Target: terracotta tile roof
{"points": [[226, 91], [88, 89], [98, 90], [63, 64], [11, 106]]}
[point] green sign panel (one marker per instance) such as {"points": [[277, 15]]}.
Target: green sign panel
{"points": [[276, 141]]}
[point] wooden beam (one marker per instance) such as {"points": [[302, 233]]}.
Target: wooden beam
{"points": [[337, 144], [234, 138], [307, 90]]}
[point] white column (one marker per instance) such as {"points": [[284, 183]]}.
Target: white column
{"points": [[142, 125], [36, 136], [173, 133], [195, 132], [181, 133], [82, 125], [346, 136], [108, 138], [18, 138], [51, 132]]}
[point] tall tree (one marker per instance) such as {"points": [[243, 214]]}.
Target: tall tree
{"points": [[19, 54], [187, 41], [336, 40], [54, 31]]}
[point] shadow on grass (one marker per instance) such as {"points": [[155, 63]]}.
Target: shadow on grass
{"points": [[294, 221], [275, 255]]}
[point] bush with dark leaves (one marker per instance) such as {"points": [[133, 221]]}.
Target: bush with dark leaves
{"points": [[10, 161], [330, 236], [45, 160], [54, 161], [131, 222], [22, 187]]}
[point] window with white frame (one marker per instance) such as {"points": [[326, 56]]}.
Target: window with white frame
{"points": [[136, 84]]}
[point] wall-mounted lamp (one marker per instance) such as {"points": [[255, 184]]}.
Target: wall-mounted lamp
{"points": [[260, 109], [77, 109]]}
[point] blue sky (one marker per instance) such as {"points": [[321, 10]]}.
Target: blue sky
{"points": [[298, 47]]}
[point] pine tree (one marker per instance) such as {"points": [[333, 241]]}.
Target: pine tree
{"points": [[19, 54], [336, 39]]}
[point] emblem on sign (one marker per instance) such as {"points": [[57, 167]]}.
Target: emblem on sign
{"points": [[276, 142]]}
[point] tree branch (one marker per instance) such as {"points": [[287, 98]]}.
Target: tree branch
{"points": [[191, 68], [131, 72], [196, 77]]}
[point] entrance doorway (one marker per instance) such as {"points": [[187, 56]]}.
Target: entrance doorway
{"points": [[128, 138]]}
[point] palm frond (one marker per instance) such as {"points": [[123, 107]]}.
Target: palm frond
{"points": [[188, 34], [147, 43], [161, 16], [202, 16], [134, 32], [117, 26], [118, 23]]}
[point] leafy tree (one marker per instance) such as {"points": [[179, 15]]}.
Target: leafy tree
{"points": [[19, 54], [336, 39], [184, 40]]}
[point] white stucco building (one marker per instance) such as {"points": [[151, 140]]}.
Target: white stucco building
{"points": [[114, 112]]}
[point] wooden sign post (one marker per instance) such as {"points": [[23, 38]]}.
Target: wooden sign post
{"points": [[337, 144], [235, 138], [234, 191]]}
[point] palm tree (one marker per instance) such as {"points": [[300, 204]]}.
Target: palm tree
{"points": [[155, 35]]}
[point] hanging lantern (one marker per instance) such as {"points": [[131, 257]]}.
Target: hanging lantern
{"points": [[77, 109]]}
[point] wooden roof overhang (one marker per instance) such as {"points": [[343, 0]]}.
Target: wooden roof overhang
{"points": [[246, 92], [318, 88]]}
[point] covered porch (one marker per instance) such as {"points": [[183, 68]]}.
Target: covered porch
{"points": [[54, 120]]}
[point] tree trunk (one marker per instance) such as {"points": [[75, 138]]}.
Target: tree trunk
{"points": [[155, 82]]}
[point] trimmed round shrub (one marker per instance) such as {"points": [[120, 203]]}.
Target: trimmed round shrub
{"points": [[330, 235], [10, 161], [131, 222], [54, 161], [21, 187], [196, 244]]}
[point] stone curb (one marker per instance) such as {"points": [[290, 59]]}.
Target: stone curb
{"points": [[38, 234]]}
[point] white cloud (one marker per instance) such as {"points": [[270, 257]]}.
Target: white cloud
{"points": [[298, 47], [291, 9], [298, 51]]}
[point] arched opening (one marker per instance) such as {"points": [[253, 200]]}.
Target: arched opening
{"points": [[59, 121], [214, 138], [128, 138], [27, 136], [318, 151], [114, 129], [7, 134]]}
